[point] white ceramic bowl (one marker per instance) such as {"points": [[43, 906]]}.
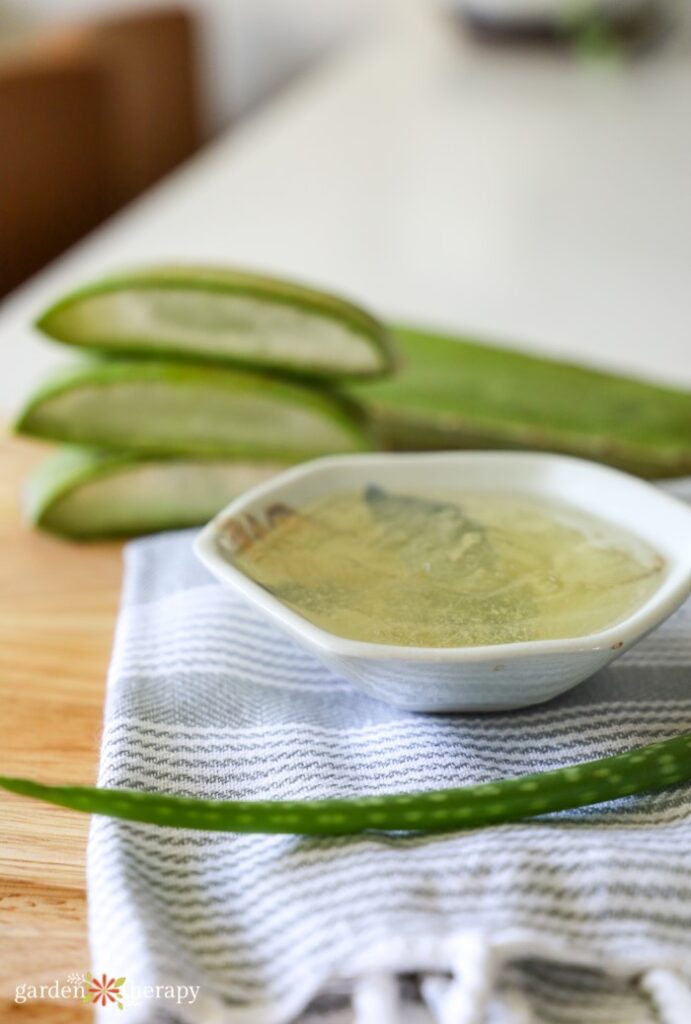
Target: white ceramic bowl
{"points": [[471, 678]]}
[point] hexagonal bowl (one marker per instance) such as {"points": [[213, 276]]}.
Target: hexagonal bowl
{"points": [[488, 678]]}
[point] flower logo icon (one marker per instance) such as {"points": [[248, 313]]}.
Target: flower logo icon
{"points": [[104, 991]]}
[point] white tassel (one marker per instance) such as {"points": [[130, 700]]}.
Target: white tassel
{"points": [[670, 993], [433, 990], [465, 998], [376, 999], [514, 1006]]}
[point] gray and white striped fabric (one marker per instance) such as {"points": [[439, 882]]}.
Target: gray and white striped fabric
{"points": [[577, 918]]}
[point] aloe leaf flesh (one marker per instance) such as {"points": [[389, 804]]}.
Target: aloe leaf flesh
{"points": [[458, 393], [162, 408], [641, 770], [86, 494], [222, 315]]}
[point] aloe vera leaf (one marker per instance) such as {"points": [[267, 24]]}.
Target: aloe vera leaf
{"points": [[86, 493], [205, 313], [457, 393], [178, 409], [641, 770]]}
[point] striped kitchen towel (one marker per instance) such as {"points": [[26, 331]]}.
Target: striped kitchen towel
{"points": [[577, 918]]}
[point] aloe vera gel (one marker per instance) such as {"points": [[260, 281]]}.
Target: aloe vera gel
{"points": [[453, 570]]}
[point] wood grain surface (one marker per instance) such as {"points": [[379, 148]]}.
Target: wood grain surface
{"points": [[57, 607]]}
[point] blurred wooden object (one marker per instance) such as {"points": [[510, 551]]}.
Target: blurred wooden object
{"points": [[147, 61], [90, 116], [53, 182]]}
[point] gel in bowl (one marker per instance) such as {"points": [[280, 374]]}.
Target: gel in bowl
{"points": [[479, 678]]}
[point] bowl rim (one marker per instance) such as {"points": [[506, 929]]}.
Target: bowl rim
{"points": [[654, 610]]}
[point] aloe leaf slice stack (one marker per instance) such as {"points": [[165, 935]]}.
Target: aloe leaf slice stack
{"points": [[221, 315], [457, 393], [162, 408], [85, 493], [641, 770], [232, 366]]}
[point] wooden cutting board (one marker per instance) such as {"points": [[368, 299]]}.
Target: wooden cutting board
{"points": [[58, 602]]}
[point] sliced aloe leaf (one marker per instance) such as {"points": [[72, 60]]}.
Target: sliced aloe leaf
{"points": [[457, 393], [85, 493], [642, 770], [203, 313], [180, 409]]}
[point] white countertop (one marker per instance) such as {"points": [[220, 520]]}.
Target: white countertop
{"points": [[534, 199]]}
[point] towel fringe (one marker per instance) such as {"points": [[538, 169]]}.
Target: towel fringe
{"points": [[464, 998], [670, 994], [376, 999]]}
